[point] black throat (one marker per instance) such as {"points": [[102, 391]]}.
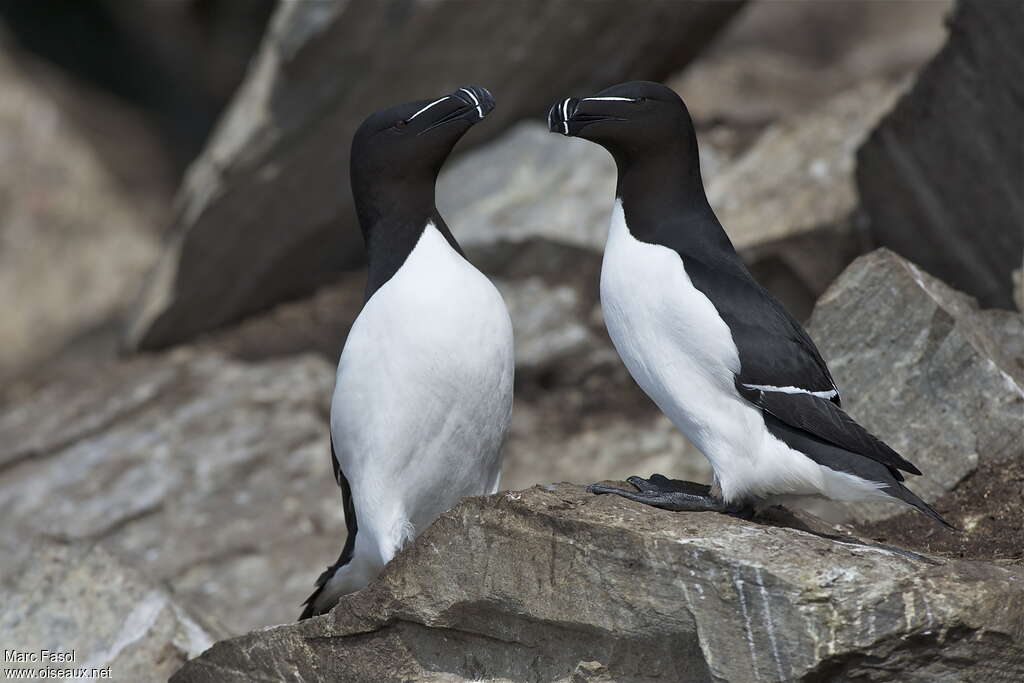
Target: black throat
{"points": [[662, 195], [393, 219]]}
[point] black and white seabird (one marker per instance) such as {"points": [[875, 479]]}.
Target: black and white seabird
{"points": [[423, 395], [719, 355]]}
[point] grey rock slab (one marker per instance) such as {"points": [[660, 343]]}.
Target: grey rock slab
{"points": [[547, 324], [78, 597], [208, 473], [265, 214], [923, 368], [553, 584], [941, 176]]}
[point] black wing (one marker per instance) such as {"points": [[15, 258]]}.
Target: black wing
{"points": [[828, 422], [842, 460], [774, 349], [350, 541]]}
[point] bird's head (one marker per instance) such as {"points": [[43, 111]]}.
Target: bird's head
{"points": [[408, 143], [628, 119]]}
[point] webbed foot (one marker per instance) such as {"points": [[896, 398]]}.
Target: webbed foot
{"points": [[673, 494]]}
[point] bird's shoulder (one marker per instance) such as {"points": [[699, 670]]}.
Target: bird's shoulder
{"points": [[774, 348]]}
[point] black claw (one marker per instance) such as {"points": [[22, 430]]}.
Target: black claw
{"points": [[642, 484], [598, 489]]}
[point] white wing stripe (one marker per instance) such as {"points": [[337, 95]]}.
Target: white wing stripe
{"points": [[793, 390], [609, 99]]}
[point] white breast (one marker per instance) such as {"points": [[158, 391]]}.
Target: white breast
{"points": [[681, 353], [423, 396], [669, 335]]}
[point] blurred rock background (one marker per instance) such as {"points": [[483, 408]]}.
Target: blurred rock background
{"points": [[179, 263]]}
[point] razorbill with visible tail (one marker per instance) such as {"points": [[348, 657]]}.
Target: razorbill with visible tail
{"points": [[718, 354], [423, 395]]}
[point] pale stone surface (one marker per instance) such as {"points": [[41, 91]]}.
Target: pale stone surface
{"points": [[78, 597], [206, 473]]}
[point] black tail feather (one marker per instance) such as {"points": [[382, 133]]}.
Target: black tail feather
{"points": [[841, 460], [309, 609], [309, 605], [901, 492]]}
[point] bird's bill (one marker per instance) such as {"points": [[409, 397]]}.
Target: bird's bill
{"points": [[470, 103], [573, 114]]}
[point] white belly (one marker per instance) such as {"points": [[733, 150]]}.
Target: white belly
{"points": [[681, 353], [423, 397]]}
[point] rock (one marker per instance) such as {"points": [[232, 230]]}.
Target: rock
{"points": [[919, 171], [789, 203], [72, 242], [178, 78], [284, 141], [80, 598], [1018, 288], [777, 60], [547, 324], [923, 368], [555, 584], [210, 474]]}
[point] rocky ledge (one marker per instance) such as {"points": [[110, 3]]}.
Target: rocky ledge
{"points": [[554, 584]]}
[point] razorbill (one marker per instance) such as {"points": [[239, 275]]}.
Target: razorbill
{"points": [[719, 355], [423, 395]]}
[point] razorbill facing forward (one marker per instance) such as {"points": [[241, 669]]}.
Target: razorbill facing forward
{"points": [[423, 395], [719, 355]]}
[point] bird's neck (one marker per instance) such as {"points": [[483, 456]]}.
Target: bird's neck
{"points": [[663, 192], [392, 221]]}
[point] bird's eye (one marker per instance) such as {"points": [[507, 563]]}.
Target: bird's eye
{"points": [[401, 124], [641, 100]]}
